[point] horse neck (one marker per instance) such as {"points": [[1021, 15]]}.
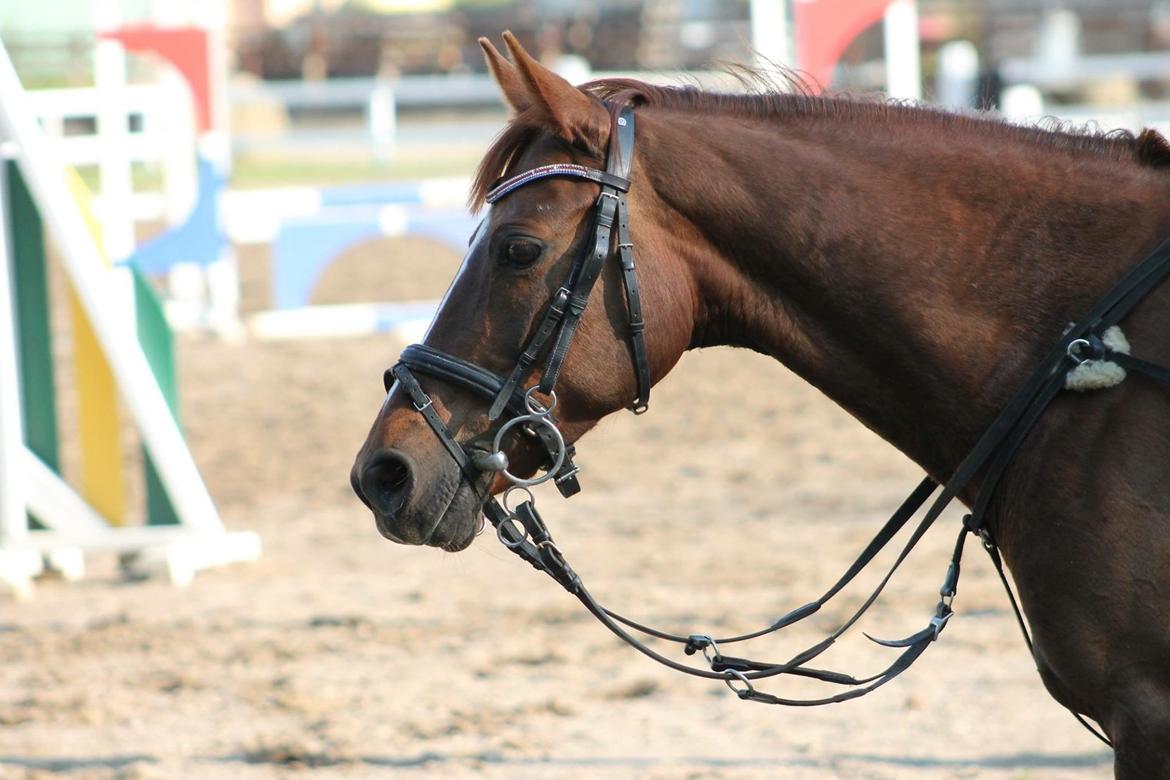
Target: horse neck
{"points": [[915, 277]]}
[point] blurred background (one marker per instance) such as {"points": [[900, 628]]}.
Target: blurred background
{"points": [[222, 219], [254, 115], [383, 89]]}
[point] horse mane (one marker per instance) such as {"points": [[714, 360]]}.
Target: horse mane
{"points": [[789, 95]]}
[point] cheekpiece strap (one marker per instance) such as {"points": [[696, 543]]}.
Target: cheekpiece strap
{"points": [[556, 169]]}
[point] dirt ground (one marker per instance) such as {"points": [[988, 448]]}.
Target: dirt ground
{"points": [[742, 494]]}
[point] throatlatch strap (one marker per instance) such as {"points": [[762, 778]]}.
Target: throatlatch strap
{"points": [[633, 308]]}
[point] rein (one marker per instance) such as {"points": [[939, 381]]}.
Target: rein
{"points": [[524, 532]]}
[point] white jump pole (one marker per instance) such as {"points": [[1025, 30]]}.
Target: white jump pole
{"points": [[18, 565], [46, 180], [13, 525], [770, 33], [903, 66], [114, 166]]}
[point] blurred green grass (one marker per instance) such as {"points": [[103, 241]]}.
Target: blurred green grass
{"points": [[256, 171], [270, 171]]}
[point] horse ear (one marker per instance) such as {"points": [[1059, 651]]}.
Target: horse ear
{"points": [[506, 76], [577, 117]]}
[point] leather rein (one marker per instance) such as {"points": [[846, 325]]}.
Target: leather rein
{"points": [[524, 532]]}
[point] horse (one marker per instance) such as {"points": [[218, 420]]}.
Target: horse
{"points": [[912, 264]]}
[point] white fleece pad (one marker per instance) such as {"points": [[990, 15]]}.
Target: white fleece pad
{"points": [[1100, 374]]}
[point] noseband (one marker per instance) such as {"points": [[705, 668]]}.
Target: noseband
{"points": [[523, 531]]}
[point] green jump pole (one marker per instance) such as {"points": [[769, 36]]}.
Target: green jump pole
{"points": [[38, 386], [158, 343]]}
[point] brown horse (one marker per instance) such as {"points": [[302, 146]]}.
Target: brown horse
{"points": [[914, 265]]}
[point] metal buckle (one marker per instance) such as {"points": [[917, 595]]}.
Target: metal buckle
{"points": [[424, 406], [508, 493], [521, 534], [732, 675], [568, 474], [704, 643]]}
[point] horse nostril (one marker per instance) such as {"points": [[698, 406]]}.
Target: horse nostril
{"points": [[386, 482], [356, 484]]}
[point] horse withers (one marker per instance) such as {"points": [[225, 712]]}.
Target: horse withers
{"points": [[912, 264]]}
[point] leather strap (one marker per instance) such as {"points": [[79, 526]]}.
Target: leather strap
{"points": [[532, 350], [588, 270], [422, 402], [633, 308], [992, 453], [587, 274], [459, 372], [1131, 363]]}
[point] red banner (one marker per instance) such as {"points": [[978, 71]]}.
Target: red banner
{"points": [[825, 28], [183, 47]]}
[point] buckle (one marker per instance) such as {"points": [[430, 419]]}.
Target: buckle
{"points": [[940, 621]]}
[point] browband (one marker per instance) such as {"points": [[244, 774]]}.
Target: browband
{"points": [[557, 169]]}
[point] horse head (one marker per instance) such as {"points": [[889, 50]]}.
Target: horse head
{"points": [[524, 259]]}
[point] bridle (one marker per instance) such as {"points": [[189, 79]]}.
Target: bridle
{"points": [[523, 531], [552, 336]]}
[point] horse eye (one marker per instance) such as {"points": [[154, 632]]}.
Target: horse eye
{"points": [[522, 253]]}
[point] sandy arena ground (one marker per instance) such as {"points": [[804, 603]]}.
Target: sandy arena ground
{"points": [[742, 494]]}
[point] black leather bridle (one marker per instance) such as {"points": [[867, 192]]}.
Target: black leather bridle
{"points": [[523, 531], [553, 335]]}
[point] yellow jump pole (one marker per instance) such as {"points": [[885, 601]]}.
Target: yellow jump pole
{"points": [[103, 478]]}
